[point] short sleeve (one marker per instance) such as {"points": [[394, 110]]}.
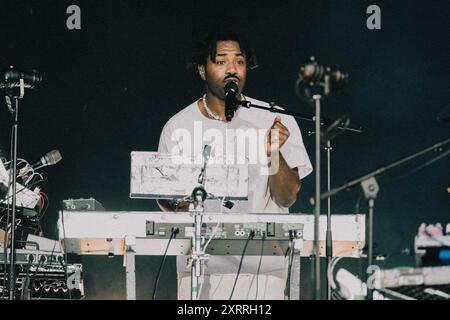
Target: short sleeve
{"points": [[165, 142], [293, 151]]}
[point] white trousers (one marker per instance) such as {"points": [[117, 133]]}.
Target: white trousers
{"points": [[220, 286]]}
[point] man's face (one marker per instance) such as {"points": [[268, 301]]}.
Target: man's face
{"points": [[230, 65]]}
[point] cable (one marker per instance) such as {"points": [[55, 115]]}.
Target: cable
{"points": [[259, 265], [211, 237], [17, 191], [25, 283], [41, 259], [47, 204], [250, 236], [32, 176], [22, 172], [41, 203], [215, 228], [19, 161], [336, 259], [172, 235], [66, 274], [358, 203], [287, 288], [51, 257]]}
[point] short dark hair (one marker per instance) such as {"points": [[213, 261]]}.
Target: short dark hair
{"points": [[208, 45]]}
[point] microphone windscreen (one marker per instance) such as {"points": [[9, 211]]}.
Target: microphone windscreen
{"points": [[231, 86], [53, 157]]}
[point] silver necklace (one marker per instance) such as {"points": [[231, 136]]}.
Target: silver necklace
{"points": [[209, 112], [214, 115]]}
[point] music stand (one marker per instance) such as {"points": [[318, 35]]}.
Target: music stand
{"points": [[164, 176]]}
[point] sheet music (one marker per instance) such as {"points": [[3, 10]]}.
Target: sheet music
{"points": [[155, 175]]}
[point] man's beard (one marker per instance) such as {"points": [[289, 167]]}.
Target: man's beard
{"points": [[217, 92]]}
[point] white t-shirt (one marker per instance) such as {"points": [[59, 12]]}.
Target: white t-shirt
{"points": [[205, 131]]}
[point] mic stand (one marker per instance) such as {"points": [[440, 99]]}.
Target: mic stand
{"points": [[15, 111], [198, 256], [196, 208], [302, 116], [370, 188], [316, 250], [318, 124], [328, 237]]}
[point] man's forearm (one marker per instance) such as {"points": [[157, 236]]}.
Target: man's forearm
{"points": [[284, 184], [173, 205], [165, 205]]}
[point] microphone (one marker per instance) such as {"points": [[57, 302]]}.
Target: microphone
{"points": [[49, 159], [312, 74], [11, 78], [231, 101]]}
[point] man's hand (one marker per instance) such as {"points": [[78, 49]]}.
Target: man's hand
{"points": [[173, 205], [277, 136], [284, 183]]}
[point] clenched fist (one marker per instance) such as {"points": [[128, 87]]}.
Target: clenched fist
{"points": [[276, 136]]}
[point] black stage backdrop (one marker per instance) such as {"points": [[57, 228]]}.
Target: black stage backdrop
{"points": [[110, 87]]}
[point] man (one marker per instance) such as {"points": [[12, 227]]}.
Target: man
{"points": [[222, 58]]}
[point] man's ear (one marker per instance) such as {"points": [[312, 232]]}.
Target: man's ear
{"points": [[201, 72]]}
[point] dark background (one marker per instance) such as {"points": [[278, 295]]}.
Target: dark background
{"points": [[110, 87]]}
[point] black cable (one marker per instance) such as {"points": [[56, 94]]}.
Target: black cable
{"points": [[259, 265], [250, 236], [41, 259], [172, 235], [25, 283], [50, 261], [287, 287], [66, 274], [31, 185]]}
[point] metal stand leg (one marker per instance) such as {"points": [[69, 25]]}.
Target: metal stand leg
{"points": [[296, 270], [317, 295], [370, 188], [130, 243], [295, 278], [199, 194], [195, 276]]}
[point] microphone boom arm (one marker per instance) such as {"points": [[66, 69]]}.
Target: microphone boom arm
{"points": [[301, 116], [381, 170]]}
